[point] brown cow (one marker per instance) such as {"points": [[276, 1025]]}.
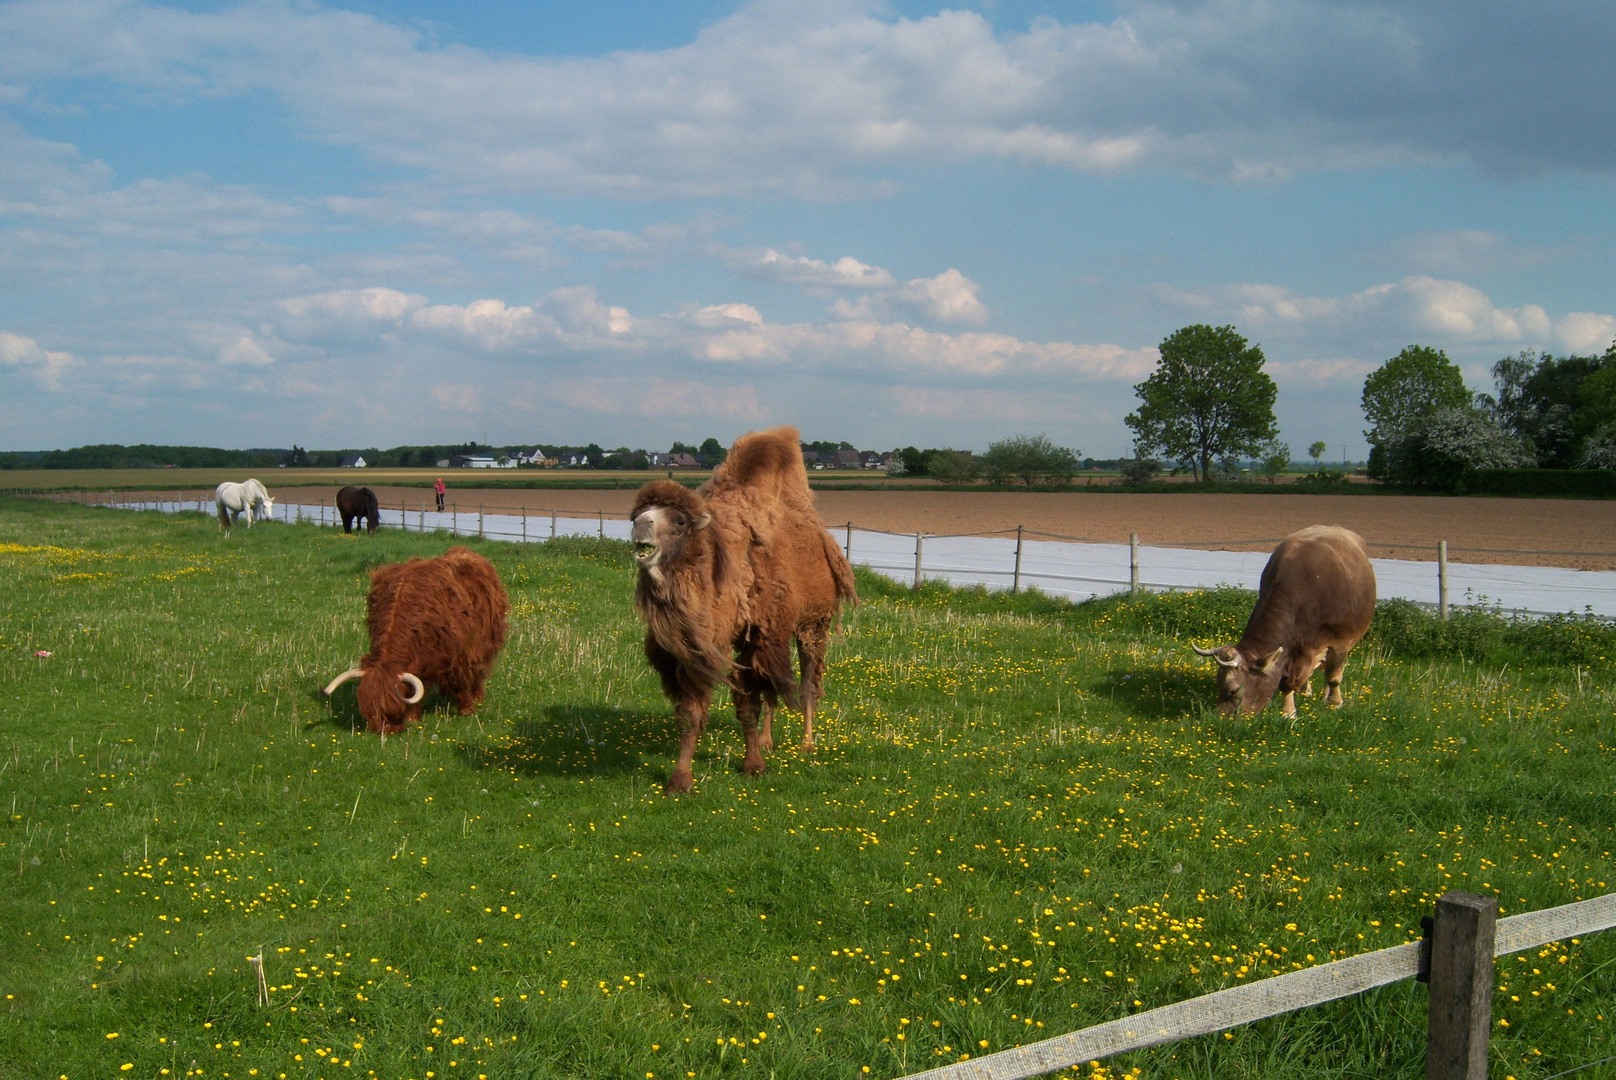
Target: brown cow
{"points": [[728, 576], [439, 621], [1315, 603]]}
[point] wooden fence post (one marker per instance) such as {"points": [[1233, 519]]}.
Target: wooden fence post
{"points": [[1015, 579], [919, 537], [524, 523], [479, 521], [601, 514], [1442, 579], [1133, 562], [848, 547], [552, 524], [1461, 1011], [454, 519]]}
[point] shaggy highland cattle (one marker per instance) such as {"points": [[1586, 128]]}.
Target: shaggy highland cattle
{"points": [[729, 575], [249, 497], [1316, 600], [355, 503], [432, 622]]}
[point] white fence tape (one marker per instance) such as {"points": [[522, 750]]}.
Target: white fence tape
{"points": [[1075, 571]]}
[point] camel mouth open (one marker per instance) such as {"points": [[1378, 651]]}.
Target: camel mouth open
{"points": [[643, 550]]}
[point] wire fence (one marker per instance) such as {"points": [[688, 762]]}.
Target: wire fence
{"points": [[1063, 565]]}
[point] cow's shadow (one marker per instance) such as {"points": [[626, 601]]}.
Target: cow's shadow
{"points": [[579, 740], [341, 709], [1163, 693]]}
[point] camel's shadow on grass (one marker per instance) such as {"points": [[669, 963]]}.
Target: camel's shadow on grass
{"points": [[563, 740]]}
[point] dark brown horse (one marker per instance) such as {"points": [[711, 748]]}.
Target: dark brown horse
{"points": [[354, 503]]}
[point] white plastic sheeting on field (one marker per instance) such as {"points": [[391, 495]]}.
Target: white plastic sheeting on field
{"points": [[1077, 571]]}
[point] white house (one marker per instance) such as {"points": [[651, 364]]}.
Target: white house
{"points": [[352, 461]]}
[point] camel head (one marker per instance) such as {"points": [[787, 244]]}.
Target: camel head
{"points": [[1244, 684], [666, 516]]}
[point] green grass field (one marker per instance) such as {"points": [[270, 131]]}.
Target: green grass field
{"points": [[1023, 819]]}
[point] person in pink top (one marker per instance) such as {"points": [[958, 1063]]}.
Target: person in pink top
{"points": [[438, 489]]}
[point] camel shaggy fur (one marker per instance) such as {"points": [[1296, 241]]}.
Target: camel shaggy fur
{"points": [[729, 575]]}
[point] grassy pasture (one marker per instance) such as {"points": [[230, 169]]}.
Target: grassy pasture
{"points": [[1022, 820]]}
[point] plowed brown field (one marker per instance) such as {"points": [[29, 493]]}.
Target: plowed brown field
{"points": [[1533, 531]]}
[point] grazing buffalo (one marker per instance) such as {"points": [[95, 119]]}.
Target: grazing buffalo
{"points": [[1316, 602], [729, 575], [234, 500], [432, 621], [354, 503]]}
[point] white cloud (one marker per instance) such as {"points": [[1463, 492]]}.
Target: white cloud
{"points": [[1452, 312], [456, 397], [949, 297], [845, 273], [1475, 251], [1314, 371], [245, 352], [659, 398], [807, 98], [46, 367], [575, 320], [1586, 332]]}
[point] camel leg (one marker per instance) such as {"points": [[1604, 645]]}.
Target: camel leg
{"points": [[692, 722], [812, 642], [746, 710], [766, 736], [1335, 664]]}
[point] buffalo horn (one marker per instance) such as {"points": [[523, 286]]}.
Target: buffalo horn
{"points": [[1214, 654], [344, 677], [420, 689]]}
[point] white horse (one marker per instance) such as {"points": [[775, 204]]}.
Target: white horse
{"points": [[249, 498]]}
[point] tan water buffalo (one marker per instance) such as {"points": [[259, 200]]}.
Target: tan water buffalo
{"points": [[1315, 603]]}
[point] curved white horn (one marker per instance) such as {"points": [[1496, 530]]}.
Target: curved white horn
{"points": [[420, 689], [1228, 663], [1203, 652], [344, 677]]}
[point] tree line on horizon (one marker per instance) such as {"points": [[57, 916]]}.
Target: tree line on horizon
{"points": [[1207, 409]]}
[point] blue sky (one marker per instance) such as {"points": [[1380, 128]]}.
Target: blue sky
{"points": [[253, 224]]}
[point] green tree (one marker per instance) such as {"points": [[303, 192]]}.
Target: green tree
{"points": [[1316, 452], [1275, 457], [952, 466], [1208, 398], [914, 461], [712, 453], [1445, 449], [1596, 402], [1416, 383], [1030, 459]]}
